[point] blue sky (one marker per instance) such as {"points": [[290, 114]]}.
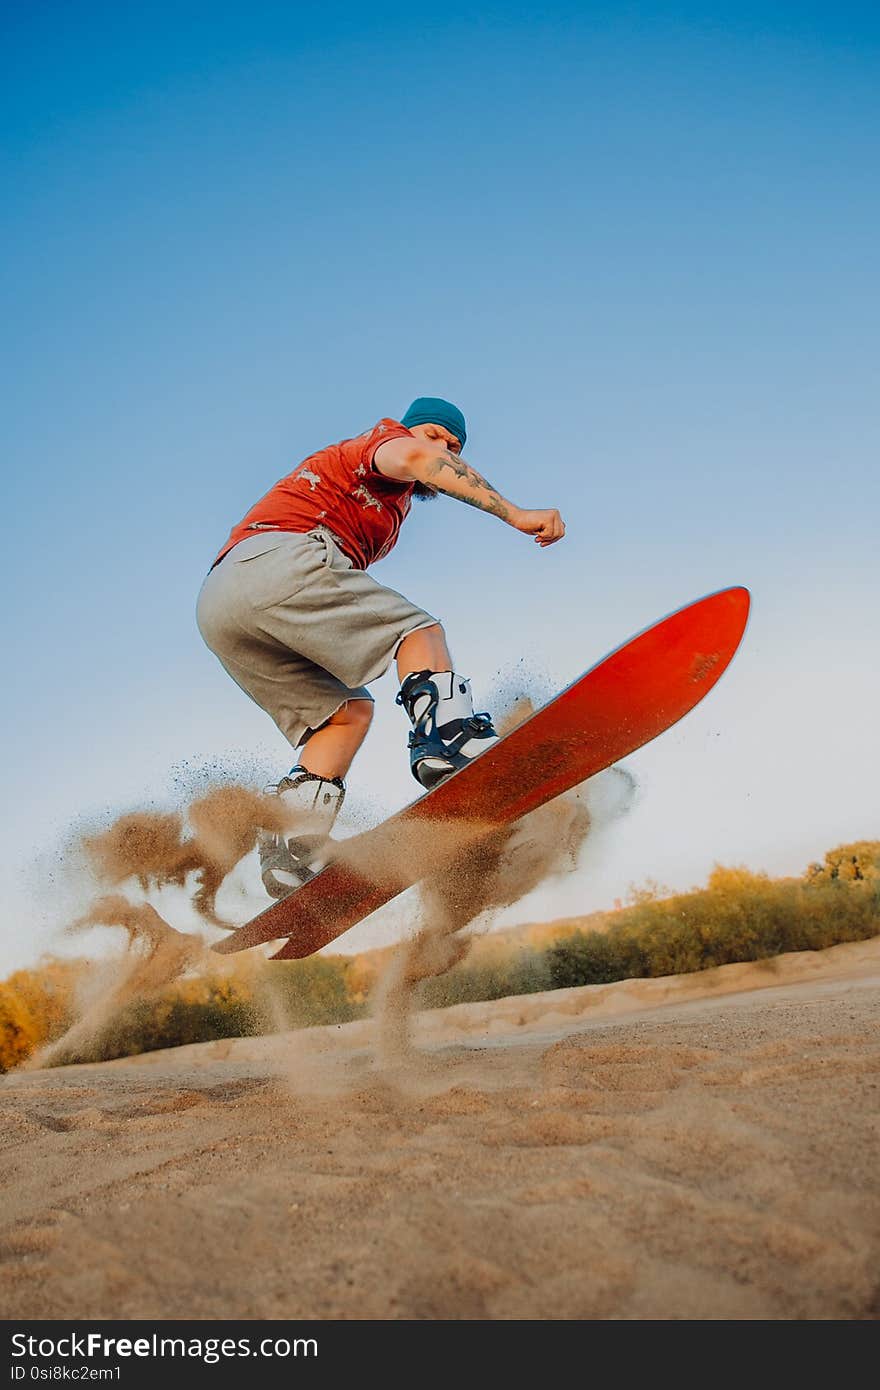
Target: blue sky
{"points": [[637, 245]]}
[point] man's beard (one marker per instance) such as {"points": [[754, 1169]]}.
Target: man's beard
{"points": [[424, 493]]}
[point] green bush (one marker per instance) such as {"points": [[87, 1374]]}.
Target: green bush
{"points": [[739, 917], [306, 993], [283, 994], [594, 958], [526, 972], [171, 1020]]}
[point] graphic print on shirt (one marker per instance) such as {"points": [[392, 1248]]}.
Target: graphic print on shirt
{"points": [[313, 479], [366, 498]]}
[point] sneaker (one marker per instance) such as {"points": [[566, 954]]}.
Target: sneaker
{"points": [[446, 734], [313, 803]]}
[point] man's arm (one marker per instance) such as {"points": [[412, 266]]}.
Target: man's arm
{"points": [[438, 467]]}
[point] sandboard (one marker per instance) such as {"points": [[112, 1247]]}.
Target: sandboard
{"points": [[636, 693]]}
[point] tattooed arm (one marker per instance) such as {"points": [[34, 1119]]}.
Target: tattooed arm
{"points": [[442, 469]]}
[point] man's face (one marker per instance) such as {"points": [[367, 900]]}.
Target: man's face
{"points": [[437, 435]]}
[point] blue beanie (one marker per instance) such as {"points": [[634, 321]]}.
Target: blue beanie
{"points": [[431, 410]]}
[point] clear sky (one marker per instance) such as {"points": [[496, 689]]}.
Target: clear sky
{"points": [[636, 243]]}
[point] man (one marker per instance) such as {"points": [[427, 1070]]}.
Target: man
{"points": [[292, 615]]}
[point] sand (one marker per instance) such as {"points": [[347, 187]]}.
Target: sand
{"points": [[702, 1146]]}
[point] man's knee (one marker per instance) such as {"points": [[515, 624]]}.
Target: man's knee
{"points": [[355, 713]]}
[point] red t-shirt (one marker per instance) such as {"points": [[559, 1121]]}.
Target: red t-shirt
{"points": [[337, 488]]}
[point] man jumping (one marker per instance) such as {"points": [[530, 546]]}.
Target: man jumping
{"points": [[292, 615]]}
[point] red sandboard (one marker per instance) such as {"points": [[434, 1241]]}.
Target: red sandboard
{"points": [[636, 693]]}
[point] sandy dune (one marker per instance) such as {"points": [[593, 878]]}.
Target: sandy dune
{"points": [[702, 1146]]}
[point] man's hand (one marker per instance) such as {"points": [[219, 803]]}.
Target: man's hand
{"points": [[546, 526]]}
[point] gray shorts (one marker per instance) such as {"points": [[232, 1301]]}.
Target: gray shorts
{"points": [[299, 628]]}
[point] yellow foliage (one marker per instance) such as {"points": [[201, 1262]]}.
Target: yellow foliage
{"points": [[649, 892], [734, 879], [35, 1006], [362, 972], [855, 863]]}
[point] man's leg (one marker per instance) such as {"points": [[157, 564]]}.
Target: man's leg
{"points": [[423, 650], [313, 792], [330, 750]]}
